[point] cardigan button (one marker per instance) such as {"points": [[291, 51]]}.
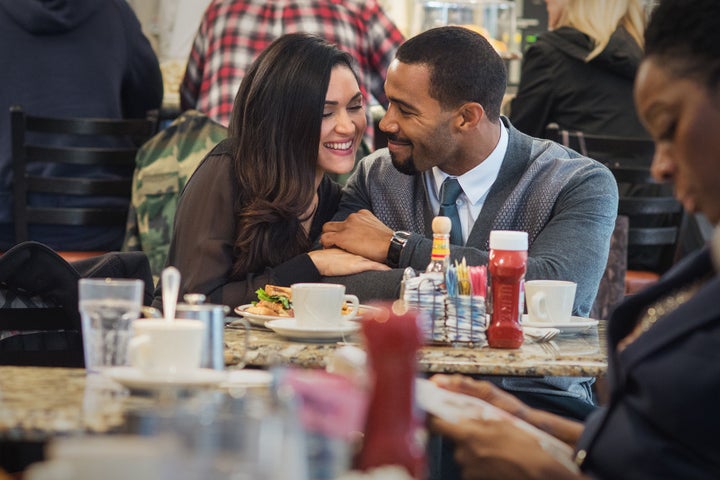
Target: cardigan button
{"points": [[580, 457]]}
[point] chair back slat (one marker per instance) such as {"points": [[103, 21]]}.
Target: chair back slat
{"points": [[90, 126], [80, 186], [634, 206], [653, 236], [73, 141], [619, 151], [77, 216], [111, 157]]}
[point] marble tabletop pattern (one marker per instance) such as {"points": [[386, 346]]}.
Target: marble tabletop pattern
{"points": [[582, 355], [38, 403]]}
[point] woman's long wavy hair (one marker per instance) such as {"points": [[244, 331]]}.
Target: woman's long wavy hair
{"points": [[275, 125], [600, 18]]}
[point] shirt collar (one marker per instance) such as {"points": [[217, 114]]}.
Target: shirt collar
{"points": [[477, 182]]}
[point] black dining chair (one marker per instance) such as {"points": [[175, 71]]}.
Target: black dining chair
{"points": [[655, 217], [628, 152], [656, 220], [36, 139]]}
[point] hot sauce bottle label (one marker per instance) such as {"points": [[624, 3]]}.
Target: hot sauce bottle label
{"points": [[440, 248]]}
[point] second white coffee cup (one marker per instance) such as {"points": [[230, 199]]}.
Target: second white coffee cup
{"points": [[162, 347], [320, 304], [550, 300]]}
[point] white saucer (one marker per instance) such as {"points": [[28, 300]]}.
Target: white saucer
{"points": [[135, 379], [260, 320], [247, 378], [575, 325], [288, 327]]}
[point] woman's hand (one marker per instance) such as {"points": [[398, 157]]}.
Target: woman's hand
{"points": [[484, 391], [566, 430], [332, 262], [497, 449]]}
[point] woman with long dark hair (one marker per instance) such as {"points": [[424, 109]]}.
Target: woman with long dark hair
{"points": [[255, 206]]}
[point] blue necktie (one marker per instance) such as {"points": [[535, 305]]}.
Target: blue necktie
{"points": [[449, 192]]}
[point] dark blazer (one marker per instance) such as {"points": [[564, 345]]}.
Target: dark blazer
{"points": [[662, 420]]}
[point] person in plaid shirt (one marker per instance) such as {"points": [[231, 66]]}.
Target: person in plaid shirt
{"points": [[233, 32]]}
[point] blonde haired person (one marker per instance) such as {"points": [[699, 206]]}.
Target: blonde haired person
{"points": [[580, 73], [598, 19]]}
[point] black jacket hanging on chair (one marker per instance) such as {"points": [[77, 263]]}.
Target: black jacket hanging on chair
{"points": [[39, 301]]}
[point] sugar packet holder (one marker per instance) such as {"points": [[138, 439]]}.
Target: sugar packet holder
{"points": [[457, 319]]}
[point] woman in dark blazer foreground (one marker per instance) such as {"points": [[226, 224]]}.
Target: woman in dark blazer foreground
{"points": [[662, 419]]}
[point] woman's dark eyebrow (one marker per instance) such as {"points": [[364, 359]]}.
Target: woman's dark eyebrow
{"points": [[335, 102]]}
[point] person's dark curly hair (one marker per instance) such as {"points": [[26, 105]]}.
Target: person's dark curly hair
{"points": [[463, 66], [684, 36]]}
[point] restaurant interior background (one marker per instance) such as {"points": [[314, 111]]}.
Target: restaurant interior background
{"points": [[170, 25]]}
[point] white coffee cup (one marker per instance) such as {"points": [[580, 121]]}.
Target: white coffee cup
{"points": [[550, 300], [320, 304], [162, 347]]}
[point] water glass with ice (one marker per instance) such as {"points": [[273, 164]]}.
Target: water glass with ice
{"points": [[108, 307]]}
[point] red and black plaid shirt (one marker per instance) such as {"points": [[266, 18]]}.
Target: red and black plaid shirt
{"points": [[234, 32]]}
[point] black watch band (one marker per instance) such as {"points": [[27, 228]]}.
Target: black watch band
{"points": [[397, 243]]}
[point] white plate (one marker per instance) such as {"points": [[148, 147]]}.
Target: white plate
{"points": [[254, 318], [135, 379], [260, 320], [575, 325], [288, 327]]}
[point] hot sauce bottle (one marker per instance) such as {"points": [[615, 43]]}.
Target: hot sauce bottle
{"points": [[393, 431], [506, 267], [440, 255]]}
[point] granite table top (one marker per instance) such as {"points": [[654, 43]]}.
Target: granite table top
{"points": [[582, 355], [38, 403]]}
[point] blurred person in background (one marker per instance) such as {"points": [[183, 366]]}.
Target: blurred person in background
{"points": [[253, 209], [170, 25], [580, 73], [233, 32], [71, 58], [663, 369]]}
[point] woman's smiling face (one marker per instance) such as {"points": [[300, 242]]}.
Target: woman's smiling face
{"points": [[683, 117], [343, 123]]}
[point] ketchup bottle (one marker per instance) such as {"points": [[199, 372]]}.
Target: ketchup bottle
{"points": [[506, 268], [394, 424]]}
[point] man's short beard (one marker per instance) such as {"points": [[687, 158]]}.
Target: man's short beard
{"points": [[408, 167]]}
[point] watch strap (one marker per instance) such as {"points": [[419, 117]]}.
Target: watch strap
{"points": [[397, 243]]}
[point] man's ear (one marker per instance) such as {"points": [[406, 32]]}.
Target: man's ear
{"points": [[469, 115]]}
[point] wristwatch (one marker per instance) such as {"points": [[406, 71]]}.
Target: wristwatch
{"points": [[397, 243]]}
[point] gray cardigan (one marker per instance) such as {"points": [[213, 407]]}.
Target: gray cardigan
{"points": [[566, 202]]}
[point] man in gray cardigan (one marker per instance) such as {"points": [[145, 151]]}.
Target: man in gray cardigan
{"points": [[445, 88]]}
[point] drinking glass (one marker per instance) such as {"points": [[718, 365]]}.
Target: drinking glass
{"points": [[107, 307]]}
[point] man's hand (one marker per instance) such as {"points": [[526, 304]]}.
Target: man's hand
{"points": [[332, 262], [361, 233]]}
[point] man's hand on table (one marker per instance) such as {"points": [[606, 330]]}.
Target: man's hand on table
{"points": [[360, 233]]}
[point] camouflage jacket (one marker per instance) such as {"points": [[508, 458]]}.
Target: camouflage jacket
{"points": [[163, 166]]}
